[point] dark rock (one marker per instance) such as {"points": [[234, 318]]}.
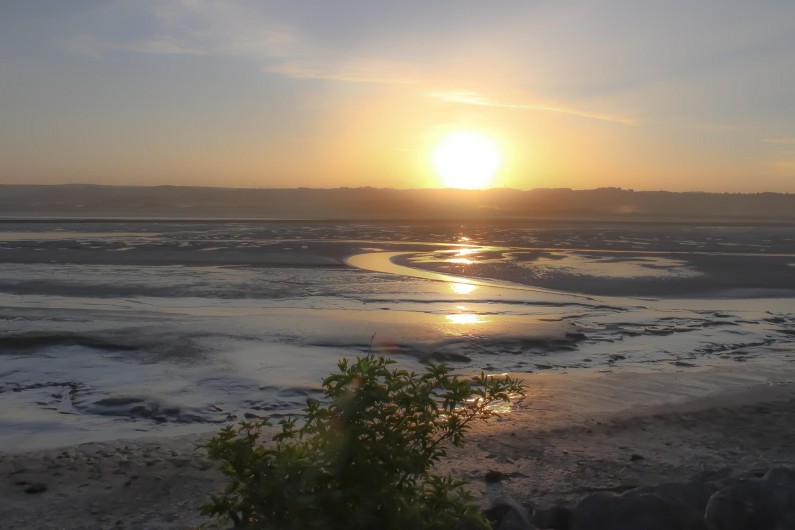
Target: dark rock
{"points": [[36, 487], [179, 462], [118, 401], [718, 475], [556, 518], [758, 499], [690, 498], [766, 503], [507, 514], [444, 357], [141, 411], [636, 457], [684, 364], [494, 476], [647, 511]]}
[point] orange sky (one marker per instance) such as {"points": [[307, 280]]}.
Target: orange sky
{"points": [[667, 95]]}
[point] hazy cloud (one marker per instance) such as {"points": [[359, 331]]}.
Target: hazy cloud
{"points": [[783, 165], [352, 73], [186, 27], [780, 141], [221, 29], [477, 99], [93, 47], [87, 45]]}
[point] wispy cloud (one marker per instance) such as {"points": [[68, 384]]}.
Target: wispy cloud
{"points": [[92, 46], [163, 46], [783, 165], [189, 27], [780, 141], [87, 45], [352, 72], [477, 99], [197, 27]]}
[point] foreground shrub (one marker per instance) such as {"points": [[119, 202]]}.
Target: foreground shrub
{"points": [[363, 460]]}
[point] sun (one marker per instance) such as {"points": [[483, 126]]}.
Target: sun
{"points": [[466, 160]]}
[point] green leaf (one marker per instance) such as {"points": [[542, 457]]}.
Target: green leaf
{"points": [[363, 456]]}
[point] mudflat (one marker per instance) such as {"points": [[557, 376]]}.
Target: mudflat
{"points": [[651, 353], [572, 435]]}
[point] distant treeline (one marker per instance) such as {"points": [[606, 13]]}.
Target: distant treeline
{"points": [[78, 200]]}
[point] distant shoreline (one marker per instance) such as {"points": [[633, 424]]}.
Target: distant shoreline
{"points": [[562, 220], [405, 205]]}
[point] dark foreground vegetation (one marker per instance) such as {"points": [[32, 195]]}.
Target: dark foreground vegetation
{"points": [[362, 460]]}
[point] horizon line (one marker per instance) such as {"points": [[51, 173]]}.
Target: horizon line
{"points": [[375, 188]]}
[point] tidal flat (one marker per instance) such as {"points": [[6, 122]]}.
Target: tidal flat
{"points": [[119, 329], [134, 336]]}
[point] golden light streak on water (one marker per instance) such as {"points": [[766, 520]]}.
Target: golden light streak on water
{"points": [[463, 288], [466, 318]]}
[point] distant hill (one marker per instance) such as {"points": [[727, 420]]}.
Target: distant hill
{"points": [[78, 200]]}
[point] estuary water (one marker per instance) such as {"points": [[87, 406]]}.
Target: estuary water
{"points": [[113, 329]]}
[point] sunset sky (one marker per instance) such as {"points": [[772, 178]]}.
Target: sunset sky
{"points": [[672, 95]]}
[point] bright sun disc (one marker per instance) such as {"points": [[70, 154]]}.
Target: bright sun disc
{"points": [[466, 160]]}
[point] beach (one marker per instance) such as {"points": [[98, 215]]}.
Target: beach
{"points": [[549, 451]]}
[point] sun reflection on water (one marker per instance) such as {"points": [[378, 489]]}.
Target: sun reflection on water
{"points": [[466, 318], [460, 256], [501, 407], [463, 288], [504, 407]]}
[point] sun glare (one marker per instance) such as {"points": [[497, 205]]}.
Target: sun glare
{"points": [[463, 288], [466, 160], [466, 318]]}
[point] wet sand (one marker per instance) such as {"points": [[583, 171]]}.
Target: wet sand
{"points": [[573, 434]]}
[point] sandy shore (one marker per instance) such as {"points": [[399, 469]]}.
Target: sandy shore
{"points": [[573, 434]]}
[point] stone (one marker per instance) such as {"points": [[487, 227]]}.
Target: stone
{"points": [[691, 496], [36, 487], [556, 518], [719, 475], [758, 499], [507, 514], [494, 476], [766, 503], [647, 511]]}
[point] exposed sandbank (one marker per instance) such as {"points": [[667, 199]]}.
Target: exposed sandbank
{"points": [[573, 434]]}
